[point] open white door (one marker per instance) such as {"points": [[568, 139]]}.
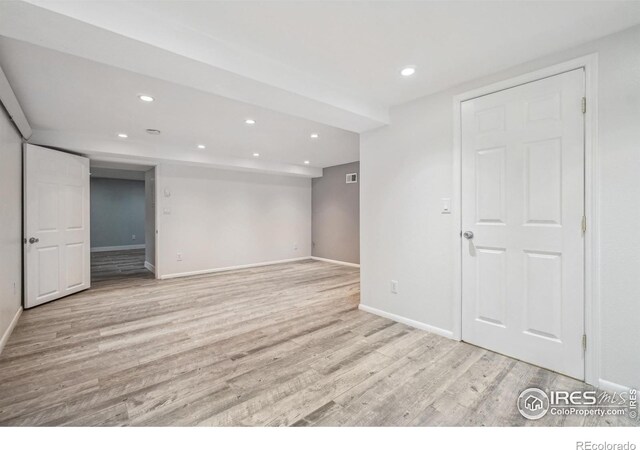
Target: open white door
{"points": [[56, 224], [522, 215]]}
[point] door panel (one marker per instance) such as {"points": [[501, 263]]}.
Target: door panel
{"points": [[56, 216], [47, 265], [523, 199]]}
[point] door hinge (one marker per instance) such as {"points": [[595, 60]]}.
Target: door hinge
{"points": [[584, 224], [584, 342], [584, 105]]}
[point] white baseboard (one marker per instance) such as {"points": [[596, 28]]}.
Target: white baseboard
{"points": [[12, 325], [150, 267], [335, 261], [118, 247], [410, 322], [612, 387], [226, 269]]}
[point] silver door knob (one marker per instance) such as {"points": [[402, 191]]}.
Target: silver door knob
{"points": [[468, 234], [33, 240]]}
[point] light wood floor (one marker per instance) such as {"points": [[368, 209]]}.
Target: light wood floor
{"points": [[276, 345]]}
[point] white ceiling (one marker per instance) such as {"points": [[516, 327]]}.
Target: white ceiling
{"points": [[71, 95], [297, 66], [361, 46]]}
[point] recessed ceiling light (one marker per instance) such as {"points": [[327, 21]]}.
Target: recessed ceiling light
{"points": [[146, 98], [256, 154], [201, 146], [408, 71], [306, 162], [123, 136], [250, 122], [314, 136], [152, 131]]}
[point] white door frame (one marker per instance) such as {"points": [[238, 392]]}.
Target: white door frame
{"points": [[592, 182], [158, 216]]}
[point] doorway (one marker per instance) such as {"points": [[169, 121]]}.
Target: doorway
{"points": [[522, 221], [122, 221]]}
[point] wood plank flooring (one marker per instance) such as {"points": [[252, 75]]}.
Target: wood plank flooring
{"points": [[118, 264], [275, 345]]}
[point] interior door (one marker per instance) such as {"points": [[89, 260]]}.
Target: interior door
{"points": [[56, 224], [522, 215]]}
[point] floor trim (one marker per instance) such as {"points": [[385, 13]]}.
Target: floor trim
{"points": [[118, 247], [226, 269], [12, 325], [410, 322], [150, 267], [335, 261], [612, 387]]}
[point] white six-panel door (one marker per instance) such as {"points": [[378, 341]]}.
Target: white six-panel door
{"points": [[523, 200], [56, 224]]}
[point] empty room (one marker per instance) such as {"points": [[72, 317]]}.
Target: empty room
{"points": [[331, 215]]}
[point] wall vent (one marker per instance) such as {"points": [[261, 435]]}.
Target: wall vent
{"points": [[352, 178]]}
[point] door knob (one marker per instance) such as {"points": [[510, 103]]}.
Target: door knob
{"points": [[33, 240], [468, 234]]}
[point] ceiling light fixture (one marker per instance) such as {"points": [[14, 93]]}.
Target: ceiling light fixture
{"points": [[314, 136], [250, 122], [146, 98], [201, 147], [306, 162], [408, 71], [152, 131], [256, 155], [123, 136]]}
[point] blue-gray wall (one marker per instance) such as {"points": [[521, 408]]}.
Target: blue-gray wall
{"points": [[117, 212]]}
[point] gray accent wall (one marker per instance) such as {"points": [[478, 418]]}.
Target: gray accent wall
{"points": [[10, 224], [117, 212], [335, 217]]}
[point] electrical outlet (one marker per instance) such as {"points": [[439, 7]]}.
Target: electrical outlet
{"points": [[133, 237], [179, 256], [394, 286]]}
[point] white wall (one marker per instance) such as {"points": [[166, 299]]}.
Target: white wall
{"points": [[223, 218], [406, 169], [10, 224]]}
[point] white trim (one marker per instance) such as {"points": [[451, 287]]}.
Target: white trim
{"points": [[117, 247], [158, 207], [12, 325], [13, 108], [612, 387], [410, 322], [150, 267], [226, 269], [592, 182], [335, 261]]}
